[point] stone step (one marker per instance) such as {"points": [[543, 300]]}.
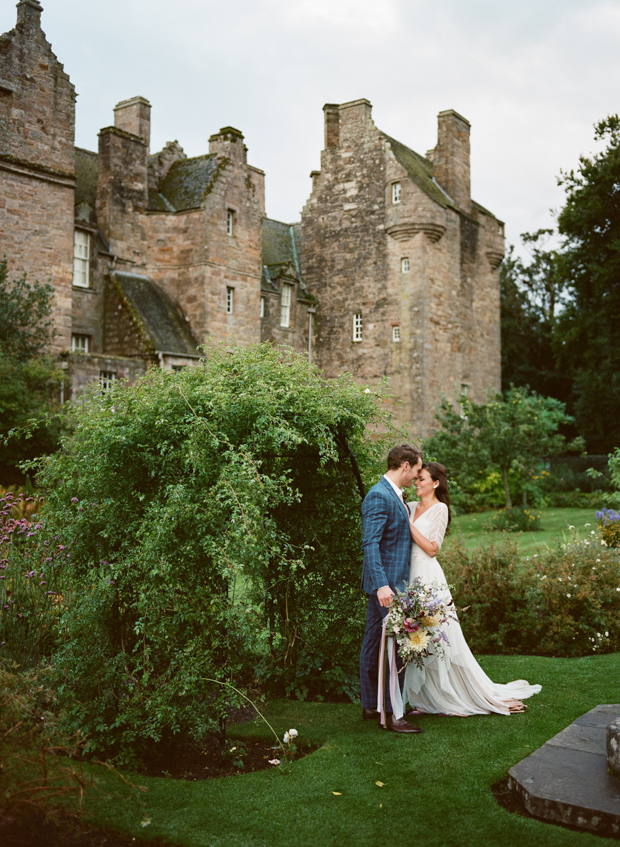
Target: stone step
{"points": [[567, 779]]}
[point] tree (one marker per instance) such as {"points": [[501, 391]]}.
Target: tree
{"points": [[509, 433], [588, 330], [29, 379], [532, 295], [212, 521]]}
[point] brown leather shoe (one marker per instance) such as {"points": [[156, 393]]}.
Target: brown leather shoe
{"points": [[370, 715], [400, 725]]}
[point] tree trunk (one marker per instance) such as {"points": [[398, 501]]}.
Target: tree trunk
{"points": [[507, 488]]}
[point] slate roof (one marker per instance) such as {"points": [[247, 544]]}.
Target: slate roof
{"points": [[163, 323], [186, 184], [86, 165], [420, 169], [277, 246]]}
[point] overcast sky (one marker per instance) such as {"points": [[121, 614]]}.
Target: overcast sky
{"points": [[531, 76]]}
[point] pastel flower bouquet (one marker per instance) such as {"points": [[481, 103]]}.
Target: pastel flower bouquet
{"points": [[415, 621]]}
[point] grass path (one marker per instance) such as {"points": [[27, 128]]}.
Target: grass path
{"points": [[437, 786], [555, 523]]}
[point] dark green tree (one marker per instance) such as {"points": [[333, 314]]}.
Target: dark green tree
{"points": [[532, 295], [588, 329], [29, 379]]}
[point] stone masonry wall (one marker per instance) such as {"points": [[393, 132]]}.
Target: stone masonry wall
{"points": [[354, 238], [37, 120]]}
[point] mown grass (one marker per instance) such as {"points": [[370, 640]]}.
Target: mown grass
{"points": [[469, 529], [436, 786]]}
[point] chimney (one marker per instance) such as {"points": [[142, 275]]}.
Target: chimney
{"points": [[29, 13], [332, 125], [229, 142], [451, 157], [134, 116]]}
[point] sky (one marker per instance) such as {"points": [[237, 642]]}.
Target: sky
{"points": [[532, 77]]}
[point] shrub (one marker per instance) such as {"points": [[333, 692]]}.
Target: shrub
{"points": [[31, 589], [565, 602], [609, 526], [34, 764], [515, 520], [212, 519]]}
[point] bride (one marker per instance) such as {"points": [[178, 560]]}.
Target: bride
{"points": [[452, 684]]}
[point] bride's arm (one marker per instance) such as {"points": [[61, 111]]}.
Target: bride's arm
{"points": [[429, 547], [432, 545]]}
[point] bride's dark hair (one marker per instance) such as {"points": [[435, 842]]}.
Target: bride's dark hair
{"points": [[439, 474]]}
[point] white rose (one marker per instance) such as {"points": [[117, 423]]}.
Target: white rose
{"points": [[293, 733], [287, 738]]}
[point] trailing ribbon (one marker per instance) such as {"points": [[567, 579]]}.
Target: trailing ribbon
{"points": [[395, 694]]}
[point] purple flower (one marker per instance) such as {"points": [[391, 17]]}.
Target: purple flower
{"points": [[74, 500]]}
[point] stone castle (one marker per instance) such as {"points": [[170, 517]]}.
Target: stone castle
{"points": [[392, 271]]}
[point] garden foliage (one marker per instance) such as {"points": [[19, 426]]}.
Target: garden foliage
{"points": [[515, 520], [211, 520], [29, 379], [565, 602], [507, 435]]}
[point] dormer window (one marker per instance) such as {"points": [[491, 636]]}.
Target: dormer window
{"points": [[396, 192], [81, 258], [230, 222]]}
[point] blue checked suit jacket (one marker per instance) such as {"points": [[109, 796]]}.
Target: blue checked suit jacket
{"points": [[386, 539]]}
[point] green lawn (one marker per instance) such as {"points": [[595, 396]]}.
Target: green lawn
{"points": [[437, 786], [555, 523]]}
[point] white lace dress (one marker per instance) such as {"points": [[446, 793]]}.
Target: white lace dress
{"points": [[454, 684]]}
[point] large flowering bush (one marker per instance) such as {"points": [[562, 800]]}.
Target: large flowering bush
{"points": [[563, 602], [212, 519]]}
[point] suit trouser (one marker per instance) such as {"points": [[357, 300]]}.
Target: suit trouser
{"points": [[369, 657]]}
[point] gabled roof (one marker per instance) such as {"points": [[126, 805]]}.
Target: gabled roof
{"points": [[186, 184], [277, 245], [163, 323], [420, 169]]}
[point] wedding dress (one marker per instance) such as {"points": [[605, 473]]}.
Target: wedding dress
{"points": [[454, 683]]}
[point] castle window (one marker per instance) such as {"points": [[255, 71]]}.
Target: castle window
{"points": [[230, 221], [395, 333], [106, 379], [396, 192], [230, 299], [80, 343], [285, 305], [178, 368], [81, 258], [465, 389], [404, 266], [357, 326], [262, 307]]}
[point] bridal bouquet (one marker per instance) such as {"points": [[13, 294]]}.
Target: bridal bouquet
{"points": [[415, 619]]}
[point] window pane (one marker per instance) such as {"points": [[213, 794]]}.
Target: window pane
{"points": [[285, 306], [396, 192], [81, 258], [395, 333], [404, 266], [357, 326], [230, 294]]}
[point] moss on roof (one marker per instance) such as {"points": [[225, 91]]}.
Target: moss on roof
{"points": [[420, 170], [162, 321], [277, 247], [86, 167], [188, 182]]}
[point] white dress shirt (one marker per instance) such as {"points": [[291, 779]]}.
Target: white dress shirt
{"points": [[398, 490]]}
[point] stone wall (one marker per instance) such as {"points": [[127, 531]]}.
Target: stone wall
{"points": [[37, 118], [355, 236]]}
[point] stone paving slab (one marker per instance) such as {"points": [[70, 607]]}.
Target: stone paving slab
{"points": [[566, 780]]}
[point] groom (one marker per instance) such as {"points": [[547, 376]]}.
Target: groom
{"points": [[386, 542]]}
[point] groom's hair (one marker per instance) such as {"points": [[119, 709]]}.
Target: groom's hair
{"points": [[401, 454]]}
